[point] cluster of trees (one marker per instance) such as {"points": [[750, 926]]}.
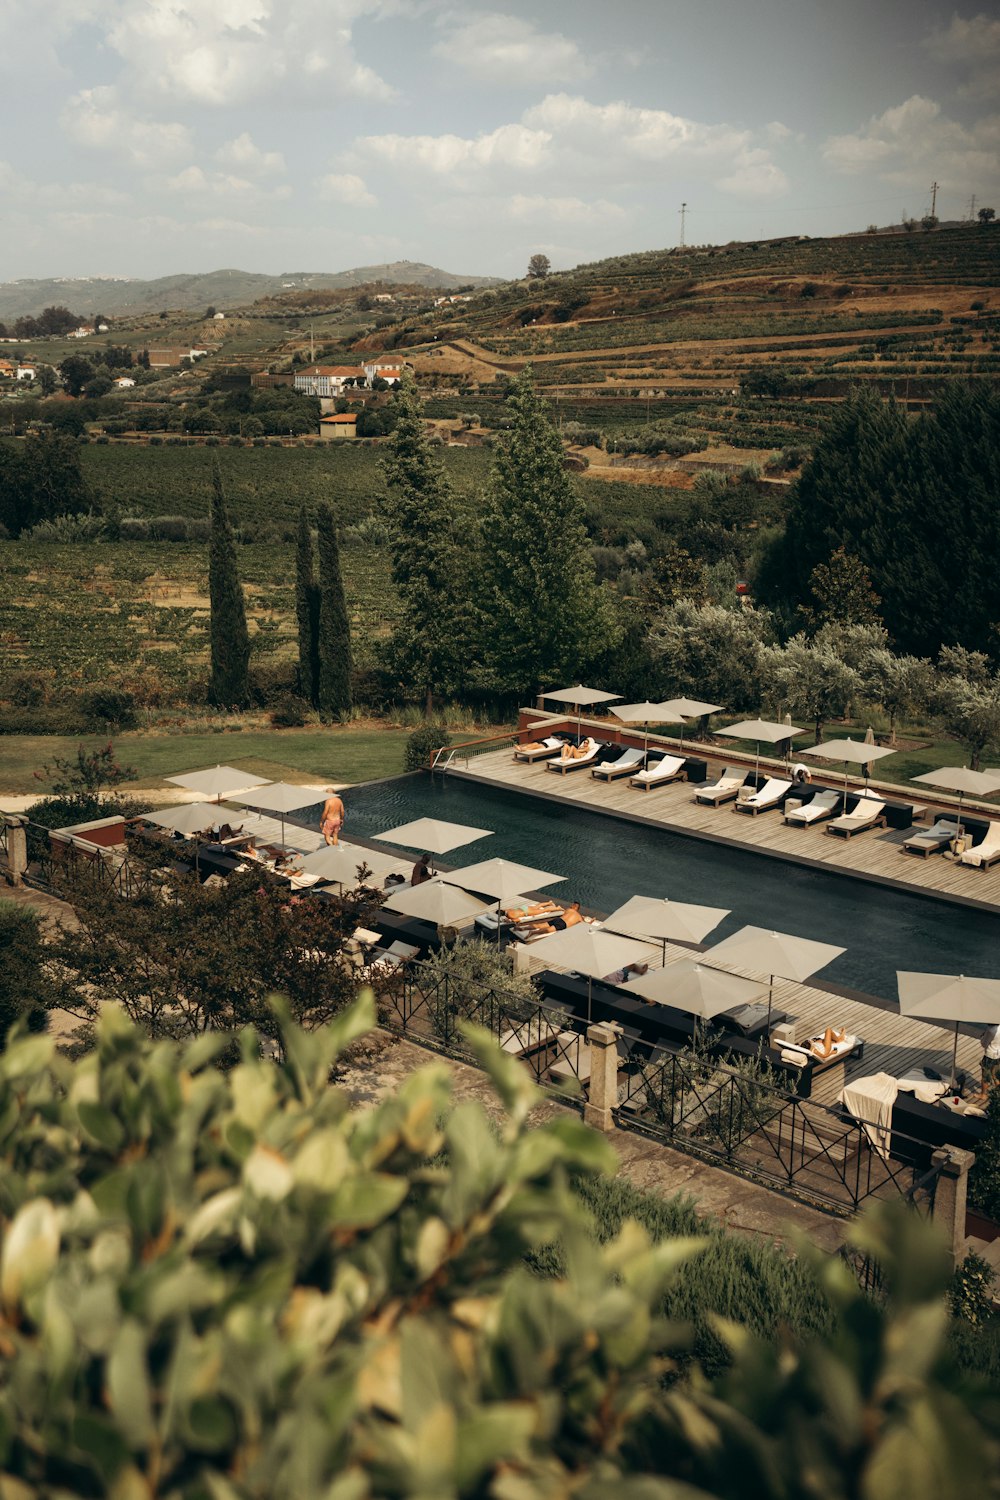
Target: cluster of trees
{"points": [[917, 503], [50, 323], [733, 656], [39, 480], [508, 605]]}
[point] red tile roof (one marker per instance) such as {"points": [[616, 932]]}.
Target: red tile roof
{"points": [[342, 416]]}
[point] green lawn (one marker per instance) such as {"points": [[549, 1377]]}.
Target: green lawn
{"points": [[288, 754]]}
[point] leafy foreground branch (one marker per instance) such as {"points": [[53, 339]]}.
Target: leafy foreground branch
{"points": [[224, 1285]]}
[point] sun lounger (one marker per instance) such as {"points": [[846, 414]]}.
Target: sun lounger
{"points": [[932, 840], [723, 790], [624, 766], [986, 852], [670, 768], [539, 749], [810, 1053], [386, 961], [822, 805], [770, 794], [566, 762], [869, 812]]}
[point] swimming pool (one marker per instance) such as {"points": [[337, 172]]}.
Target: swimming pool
{"points": [[607, 860]]}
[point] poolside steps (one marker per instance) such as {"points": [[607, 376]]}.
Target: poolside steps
{"points": [[867, 855]]}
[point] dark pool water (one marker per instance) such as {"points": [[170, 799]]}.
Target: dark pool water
{"points": [[605, 861]]}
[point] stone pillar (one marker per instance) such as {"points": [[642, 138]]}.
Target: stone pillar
{"points": [[950, 1194], [17, 848], [603, 1086]]}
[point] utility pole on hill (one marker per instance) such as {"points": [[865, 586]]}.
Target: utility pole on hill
{"points": [[683, 215], [972, 209], [934, 193]]}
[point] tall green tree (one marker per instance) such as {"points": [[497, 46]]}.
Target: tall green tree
{"points": [[41, 479], [229, 685], [307, 611], [26, 991], [334, 639], [431, 648], [543, 615]]}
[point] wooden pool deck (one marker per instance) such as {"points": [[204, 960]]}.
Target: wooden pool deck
{"points": [[894, 1044], [876, 855]]}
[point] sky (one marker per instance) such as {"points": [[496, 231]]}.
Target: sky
{"points": [[151, 137]]}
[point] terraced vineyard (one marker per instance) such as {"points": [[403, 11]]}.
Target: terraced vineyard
{"points": [[102, 611]]}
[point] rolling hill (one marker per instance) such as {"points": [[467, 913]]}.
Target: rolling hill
{"points": [[224, 289]]}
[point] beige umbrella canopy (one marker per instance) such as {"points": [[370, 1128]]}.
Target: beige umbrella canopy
{"points": [[500, 878], [670, 921], [189, 818], [849, 752], [436, 901], [589, 951], [949, 997], [698, 988], [762, 731], [773, 953], [580, 697], [340, 863], [280, 797], [963, 781], [432, 834], [681, 709], [644, 714], [218, 781]]}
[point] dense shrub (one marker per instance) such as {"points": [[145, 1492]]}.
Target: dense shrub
{"points": [[421, 745], [110, 708], [25, 990], [290, 712], [56, 718]]}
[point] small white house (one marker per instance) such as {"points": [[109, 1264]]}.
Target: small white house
{"points": [[124, 382], [79, 333], [102, 328], [218, 318], [26, 372]]}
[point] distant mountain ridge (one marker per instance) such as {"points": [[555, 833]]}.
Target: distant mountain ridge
{"points": [[223, 289]]}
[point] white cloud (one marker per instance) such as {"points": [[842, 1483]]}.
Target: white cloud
{"points": [[914, 141], [972, 46], [567, 140], [244, 156], [507, 49], [96, 118], [346, 187], [224, 52], [194, 181], [510, 146], [539, 207]]}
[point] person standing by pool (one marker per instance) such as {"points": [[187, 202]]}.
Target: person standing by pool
{"points": [[421, 870], [332, 818], [989, 1040]]}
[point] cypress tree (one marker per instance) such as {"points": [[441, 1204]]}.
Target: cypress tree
{"points": [[432, 647], [229, 686], [334, 625], [543, 614], [307, 612]]}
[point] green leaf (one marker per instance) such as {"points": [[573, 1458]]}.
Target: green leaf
{"points": [[366, 1199], [30, 1250], [128, 1385], [210, 1424], [101, 1125], [492, 1434]]}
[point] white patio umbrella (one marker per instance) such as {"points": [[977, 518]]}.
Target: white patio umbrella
{"points": [[689, 708], [502, 879], [850, 752], [670, 921], [699, 988], [280, 797], [949, 997], [589, 951], [432, 834], [436, 901], [580, 697], [189, 818], [340, 862], [644, 714], [218, 781], [773, 953], [763, 731], [963, 781]]}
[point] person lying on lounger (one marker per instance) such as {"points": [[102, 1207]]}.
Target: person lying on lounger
{"points": [[577, 752], [824, 1046], [567, 918], [518, 913]]}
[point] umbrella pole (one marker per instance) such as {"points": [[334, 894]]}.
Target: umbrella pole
{"points": [[954, 1057]]}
